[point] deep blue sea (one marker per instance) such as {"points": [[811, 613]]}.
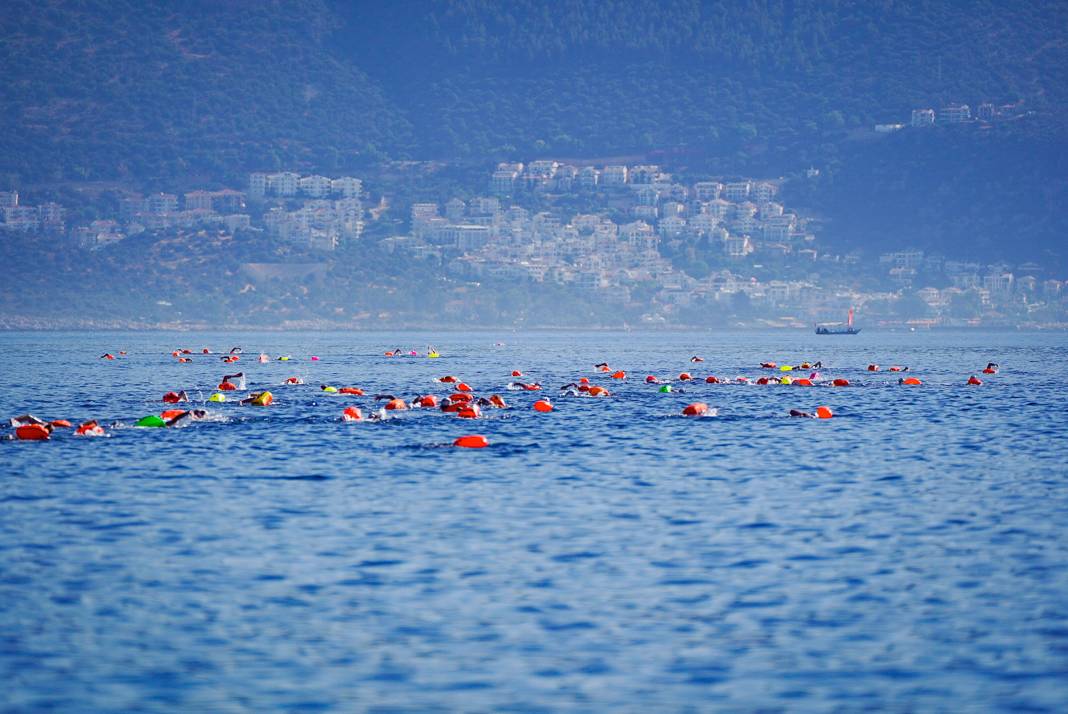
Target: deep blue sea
{"points": [[910, 554]]}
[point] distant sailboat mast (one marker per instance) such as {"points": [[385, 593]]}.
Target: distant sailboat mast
{"points": [[850, 321]]}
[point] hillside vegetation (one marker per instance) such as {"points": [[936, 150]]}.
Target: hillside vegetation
{"points": [[153, 92]]}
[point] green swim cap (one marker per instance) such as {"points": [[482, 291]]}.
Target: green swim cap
{"points": [[666, 388]]}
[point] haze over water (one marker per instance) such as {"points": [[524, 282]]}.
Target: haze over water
{"points": [[910, 553]]}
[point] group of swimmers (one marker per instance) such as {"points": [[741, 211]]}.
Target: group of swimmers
{"points": [[462, 402]]}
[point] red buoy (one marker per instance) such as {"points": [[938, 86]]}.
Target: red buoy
{"points": [[472, 441], [33, 432], [543, 405]]}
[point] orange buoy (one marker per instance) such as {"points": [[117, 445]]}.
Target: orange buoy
{"points": [[912, 381], [470, 411], [351, 390], [841, 382], [685, 376], [429, 401], [352, 414], [174, 354], [463, 387], [711, 380], [990, 370], [803, 382], [873, 368], [172, 398], [695, 409], [516, 373], [619, 375], [824, 412], [460, 397], [472, 441], [498, 402], [205, 351], [227, 387], [60, 424], [584, 380], [171, 413], [33, 432], [543, 405], [974, 380], [396, 405], [597, 392], [651, 379]]}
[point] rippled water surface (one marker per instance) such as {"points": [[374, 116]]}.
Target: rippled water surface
{"points": [[909, 554]]}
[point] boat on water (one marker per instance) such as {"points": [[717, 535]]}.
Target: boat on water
{"points": [[837, 328]]}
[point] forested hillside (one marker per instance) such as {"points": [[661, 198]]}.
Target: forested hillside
{"points": [[110, 87], [145, 88], [151, 92], [620, 75]]}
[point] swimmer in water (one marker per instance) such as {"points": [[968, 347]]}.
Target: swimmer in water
{"points": [[240, 377], [190, 415], [695, 358], [602, 365], [236, 350], [174, 398], [570, 390], [799, 413]]}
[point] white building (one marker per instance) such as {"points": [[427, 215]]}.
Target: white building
{"points": [[923, 117], [955, 113], [737, 190], [315, 186], [614, 176], [346, 187]]}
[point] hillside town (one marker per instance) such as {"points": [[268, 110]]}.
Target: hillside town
{"points": [[657, 246]]}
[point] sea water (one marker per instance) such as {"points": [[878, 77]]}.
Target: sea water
{"points": [[910, 553]]}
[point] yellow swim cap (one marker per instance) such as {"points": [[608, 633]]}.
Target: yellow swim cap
{"points": [[217, 397]]}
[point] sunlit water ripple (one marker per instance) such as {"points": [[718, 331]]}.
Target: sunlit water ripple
{"points": [[611, 556]]}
